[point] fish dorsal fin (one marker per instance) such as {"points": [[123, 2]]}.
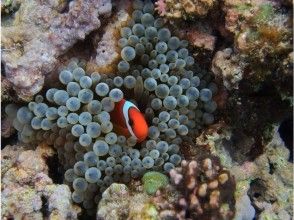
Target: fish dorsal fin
{"points": [[126, 107]]}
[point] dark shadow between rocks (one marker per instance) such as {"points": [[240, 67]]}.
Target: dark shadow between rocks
{"points": [[44, 209], [54, 169], [286, 133]]}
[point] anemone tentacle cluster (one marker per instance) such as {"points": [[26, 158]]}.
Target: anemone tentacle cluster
{"points": [[157, 74]]}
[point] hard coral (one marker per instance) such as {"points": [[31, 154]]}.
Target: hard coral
{"points": [[198, 38], [39, 34], [269, 178], [266, 178], [206, 191]]}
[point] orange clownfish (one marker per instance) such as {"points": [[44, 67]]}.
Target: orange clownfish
{"points": [[129, 121]]}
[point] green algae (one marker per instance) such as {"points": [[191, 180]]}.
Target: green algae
{"points": [[265, 13], [153, 180]]}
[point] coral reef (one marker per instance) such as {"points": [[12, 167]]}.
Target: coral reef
{"points": [[6, 128], [176, 61], [39, 34], [27, 190], [8, 6], [199, 39], [227, 65], [255, 68], [81, 124], [267, 179], [263, 33], [114, 203]]}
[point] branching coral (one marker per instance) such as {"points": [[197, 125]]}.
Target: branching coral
{"points": [[206, 191]]}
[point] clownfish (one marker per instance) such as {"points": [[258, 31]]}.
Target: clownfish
{"points": [[128, 120]]}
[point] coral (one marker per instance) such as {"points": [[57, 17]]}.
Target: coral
{"points": [[39, 34], [7, 93], [184, 8], [153, 181], [200, 39], [8, 157], [8, 6], [205, 190], [27, 190], [255, 68], [142, 210], [275, 183]]}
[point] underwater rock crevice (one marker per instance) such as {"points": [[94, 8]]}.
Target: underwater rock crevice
{"points": [[54, 169], [44, 210], [286, 131]]}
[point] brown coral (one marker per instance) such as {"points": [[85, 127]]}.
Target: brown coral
{"points": [[206, 191]]}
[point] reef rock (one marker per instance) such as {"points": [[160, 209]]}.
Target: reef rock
{"points": [[27, 190], [267, 179], [108, 52], [39, 33], [118, 202], [227, 66], [184, 8], [114, 202], [261, 33]]}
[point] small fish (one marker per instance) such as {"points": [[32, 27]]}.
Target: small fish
{"points": [[128, 120]]}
